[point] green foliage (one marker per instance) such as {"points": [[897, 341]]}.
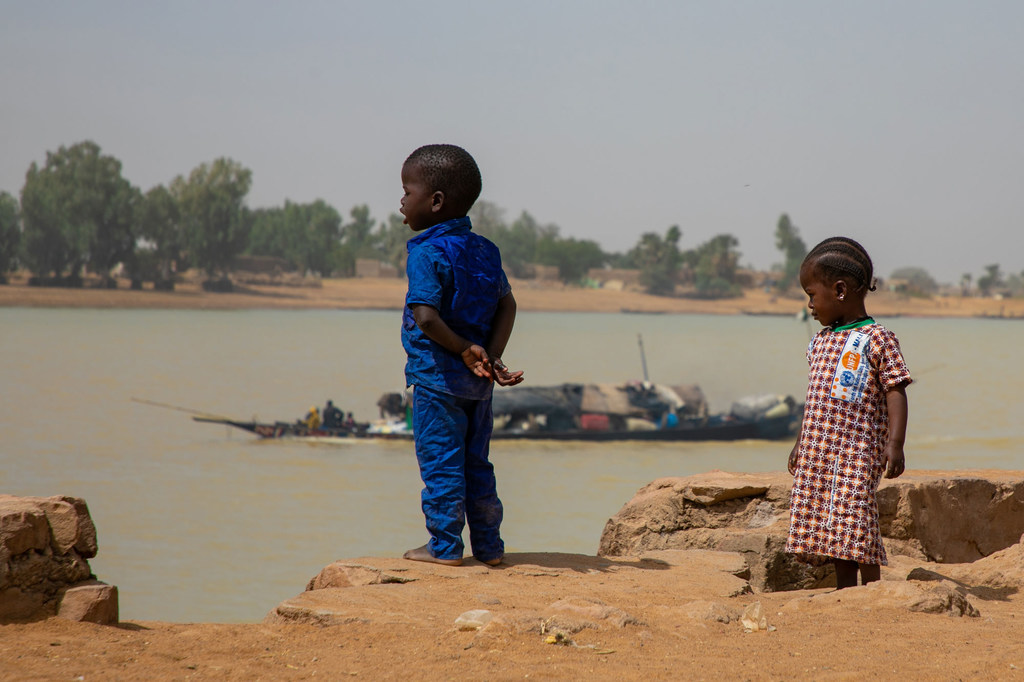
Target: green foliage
{"points": [[10, 233], [393, 238], [517, 243], [788, 241], [158, 222], [991, 280], [526, 242], [213, 212], [914, 281], [715, 263], [488, 219], [1015, 284], [658, 259], [359, 240], [306, 235], [572, 257], [77, 210], [359, 234]]}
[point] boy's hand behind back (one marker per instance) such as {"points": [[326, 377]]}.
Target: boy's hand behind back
{"points": [[504, 376], [475, 358], [480, 364]]}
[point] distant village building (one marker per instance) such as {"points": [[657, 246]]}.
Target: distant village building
{"points": [[368, 267], [545, 272], [616, 279], [748, 279], [264, 265]]}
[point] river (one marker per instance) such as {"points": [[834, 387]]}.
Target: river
{"points": [[198, 523]]}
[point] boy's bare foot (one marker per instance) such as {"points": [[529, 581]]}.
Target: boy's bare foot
{"points": [[423, 554], [492, 562]]}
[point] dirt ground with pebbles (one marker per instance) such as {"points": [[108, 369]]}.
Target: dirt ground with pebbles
{"points": [[669, 615]]}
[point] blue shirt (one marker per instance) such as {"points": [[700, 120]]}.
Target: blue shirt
{"points": [[457, 272]]}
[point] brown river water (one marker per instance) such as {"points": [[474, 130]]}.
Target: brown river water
{"points": [[200, 523]]}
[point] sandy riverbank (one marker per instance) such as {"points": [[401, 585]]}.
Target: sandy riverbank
{"points": [[651, 620], [532, 296]]}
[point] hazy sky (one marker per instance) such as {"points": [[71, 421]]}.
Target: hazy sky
{"points": [[896, 123]]}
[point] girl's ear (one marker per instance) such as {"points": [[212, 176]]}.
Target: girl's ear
{"points": [[839, 289], [436, 201]]}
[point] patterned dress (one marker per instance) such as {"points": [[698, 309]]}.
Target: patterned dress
{"points": [[833, 511]]}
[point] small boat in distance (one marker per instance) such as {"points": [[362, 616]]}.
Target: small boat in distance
{"points": [[296, 430]]}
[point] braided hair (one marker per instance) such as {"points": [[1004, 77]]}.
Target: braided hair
{"points": [[842, 257], [451, 170]]}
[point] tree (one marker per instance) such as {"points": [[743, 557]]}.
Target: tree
{"points": [[517, 243], [77, 210], [991, 280], [306, 235], [322, 231], [914, 281], [788, 241], [393, 238], [965, 283], [358, 240], [658, 260], [159, 224], [1015, 284], [269, 235], [213, 211], [520, 241], [572, 257], [359, 234], [488, 219], [715, 262], [10, 234]]}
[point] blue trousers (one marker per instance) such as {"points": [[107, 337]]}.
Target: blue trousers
{"points": [[453, 438]]}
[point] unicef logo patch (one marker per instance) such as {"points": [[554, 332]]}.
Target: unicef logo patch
{"points": [[847, 379]]}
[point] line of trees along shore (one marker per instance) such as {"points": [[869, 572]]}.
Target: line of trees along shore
{"points": [[77, 213]]}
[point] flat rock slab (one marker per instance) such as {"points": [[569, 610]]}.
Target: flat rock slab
{"points": [[524, 592]]}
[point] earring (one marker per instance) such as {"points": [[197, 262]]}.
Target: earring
{"points": [[841, 297]]}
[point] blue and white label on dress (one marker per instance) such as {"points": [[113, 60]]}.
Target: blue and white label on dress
{"points": [[852, 369]]}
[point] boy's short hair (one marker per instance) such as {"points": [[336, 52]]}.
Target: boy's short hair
{"points": [[449, 169]]}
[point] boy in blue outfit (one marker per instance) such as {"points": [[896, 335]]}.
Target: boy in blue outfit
{"points": [[458, 317]]}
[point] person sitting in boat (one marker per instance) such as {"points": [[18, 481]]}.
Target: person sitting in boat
{"points": [[312, 420], [333, 417], [350, 421], [669, 420]]}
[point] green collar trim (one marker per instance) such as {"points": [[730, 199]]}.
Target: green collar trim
{"points": [[854, 325]]}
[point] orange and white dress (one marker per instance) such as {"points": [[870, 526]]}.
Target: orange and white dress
{"points": [[833, 510]]}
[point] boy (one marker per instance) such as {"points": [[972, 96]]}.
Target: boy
{"points": [[458, 317]]}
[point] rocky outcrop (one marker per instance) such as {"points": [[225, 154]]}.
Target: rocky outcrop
{"points": [[44, 546], [941, 517]]}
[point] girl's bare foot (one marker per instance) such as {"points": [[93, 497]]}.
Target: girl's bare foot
{"points": [[423, 554]]}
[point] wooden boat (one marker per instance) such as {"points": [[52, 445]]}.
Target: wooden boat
{"points": [[637, 411], [287, 429], [580, 412]]}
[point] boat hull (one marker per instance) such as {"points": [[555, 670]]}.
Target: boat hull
{"points": [[708, 430]]}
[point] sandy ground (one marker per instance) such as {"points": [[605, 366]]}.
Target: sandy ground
{"points": [[388, 293], [408, 631]]}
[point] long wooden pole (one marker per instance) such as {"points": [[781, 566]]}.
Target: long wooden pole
{"points": [[154, 403], [643, 357]]}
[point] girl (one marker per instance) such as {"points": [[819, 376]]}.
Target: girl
{"points": [[855, 418]]}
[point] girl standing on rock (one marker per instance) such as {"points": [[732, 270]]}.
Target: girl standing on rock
{"points": [[855, 418]]}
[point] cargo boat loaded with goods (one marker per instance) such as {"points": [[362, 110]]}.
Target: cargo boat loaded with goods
{"points": [[571, 411]]}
